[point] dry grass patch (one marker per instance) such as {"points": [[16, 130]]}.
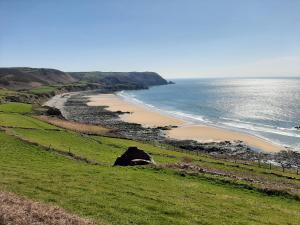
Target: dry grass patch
{"points": [[15, 210], [74, 126], [254, 181]]}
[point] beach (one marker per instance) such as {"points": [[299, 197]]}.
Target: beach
{"points": [[184, 130]]}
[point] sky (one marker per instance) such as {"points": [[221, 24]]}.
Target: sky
{"points": [[176, 38]]}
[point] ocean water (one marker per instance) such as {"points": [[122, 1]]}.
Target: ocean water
{"points": [[266, 107]]}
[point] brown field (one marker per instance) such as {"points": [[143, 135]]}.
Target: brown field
{"points": [[15, 210], [74, 126]]}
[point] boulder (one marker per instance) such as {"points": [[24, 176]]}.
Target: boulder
{"points": [[52, 111], [297, 127], [133, 157]]}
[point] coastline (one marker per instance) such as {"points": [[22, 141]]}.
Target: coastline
{"points": [[179, 129]]}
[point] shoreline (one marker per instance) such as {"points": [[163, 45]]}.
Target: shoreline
{"points": [[180, 129]]}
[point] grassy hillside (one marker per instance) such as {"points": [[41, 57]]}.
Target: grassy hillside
{"points": [[46, 81], [16, 108], [130, 80], [172, 192], [26, 78]]}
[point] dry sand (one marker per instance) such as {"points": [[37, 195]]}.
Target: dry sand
{"points": [[152, 118], [137, 113]]}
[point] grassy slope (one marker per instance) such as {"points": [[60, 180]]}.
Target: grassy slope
{"points": [[24, 121], [44, 89], [4, 92], [103, 149], [141, 196], [16, 108], [115, 195]]}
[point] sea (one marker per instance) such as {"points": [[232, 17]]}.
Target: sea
{"points": [[268, 108]]}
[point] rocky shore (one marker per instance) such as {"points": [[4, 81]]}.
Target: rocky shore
{"points": [[74, 107]]}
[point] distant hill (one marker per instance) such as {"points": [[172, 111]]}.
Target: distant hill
{"points": [[128, 79], [27, 78], [18, 78]]}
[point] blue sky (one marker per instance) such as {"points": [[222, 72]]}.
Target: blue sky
{"points": [[177, 38]]}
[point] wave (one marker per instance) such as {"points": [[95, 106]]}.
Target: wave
{"points": [[189, 117], [259, 124], [178, 114], [132, 98], [289, 132]]}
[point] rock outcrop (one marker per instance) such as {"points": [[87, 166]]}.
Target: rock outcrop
{"points": [[133, 157]]}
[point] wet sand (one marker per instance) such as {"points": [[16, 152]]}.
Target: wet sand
{"points": [[185, 130]]}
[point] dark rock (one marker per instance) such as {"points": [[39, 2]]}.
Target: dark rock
{"points": [[164, 128], [132, 157], [53, 111], [297, 127], [121, 112]]}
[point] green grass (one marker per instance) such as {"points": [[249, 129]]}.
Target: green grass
{"points": [[105, 150], [18, 120], [114, 195], [101, 149], [43, 89], [16, 107]]}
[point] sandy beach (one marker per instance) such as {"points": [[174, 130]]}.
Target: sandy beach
{"points": [[185, 130]]}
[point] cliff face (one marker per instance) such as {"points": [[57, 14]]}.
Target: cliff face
{"points": [[27, 78], [130, 80]]}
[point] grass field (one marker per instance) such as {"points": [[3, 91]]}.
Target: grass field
{"points": [[135, 195], [16, 107], [103, 150], [115, 195], [24, 121], [44, 89]]}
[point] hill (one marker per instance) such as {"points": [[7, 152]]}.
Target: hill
{"points": [[25, 84], [130, 80], [26, 78]]}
